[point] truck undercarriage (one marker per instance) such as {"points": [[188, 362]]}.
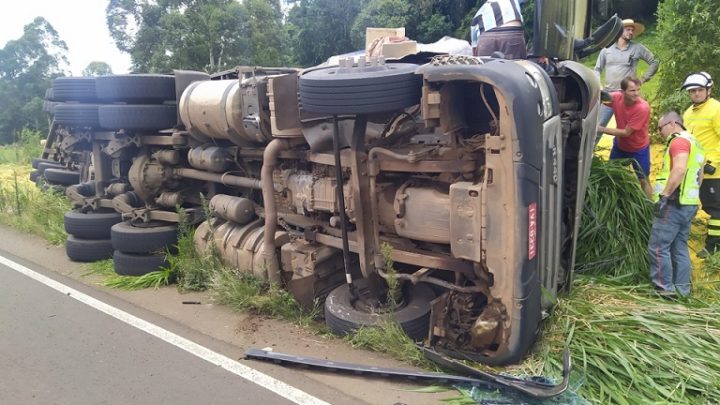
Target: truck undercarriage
{"points": [[461, 180]]}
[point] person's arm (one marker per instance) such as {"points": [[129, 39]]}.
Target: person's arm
{"points": [[651, 60], [600, 64], [679, 165], [621, 133], [716, 124]]}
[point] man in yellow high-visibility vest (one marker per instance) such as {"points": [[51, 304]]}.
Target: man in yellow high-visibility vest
{"points": [[702, 119], [677, 192]]}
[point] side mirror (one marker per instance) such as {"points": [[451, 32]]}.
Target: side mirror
{"points": [[605, 35]]}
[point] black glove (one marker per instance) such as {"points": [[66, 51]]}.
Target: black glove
{"points": [[660, 206]]}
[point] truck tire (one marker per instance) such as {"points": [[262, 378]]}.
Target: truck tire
{"points": [[88, 250], [137, 117], [336, 90], [414, 317], [130, 264], [73, 89], [154, 237], [85, 115], [62, 177], [36, 162], [91, 225], [140, 88], [42, 166]]}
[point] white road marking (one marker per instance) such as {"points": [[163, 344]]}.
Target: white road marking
{"points": [[269, 383]]}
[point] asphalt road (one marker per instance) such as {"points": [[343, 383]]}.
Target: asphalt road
{"points": [[55, 349]]}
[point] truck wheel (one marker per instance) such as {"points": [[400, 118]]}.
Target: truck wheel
{"points": [[137, 117], [338, 90], [62, 177], [91, 225], [42, 166], [152, 237], [36, 162], [130, 264], [136, 88], [73, 89], [88, 250], [414, 317], [85, 115]]}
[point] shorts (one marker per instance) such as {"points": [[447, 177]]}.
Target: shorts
{"points": [[640, 159]]}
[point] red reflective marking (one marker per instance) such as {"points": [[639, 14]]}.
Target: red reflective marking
{"points": [[532, 231]]}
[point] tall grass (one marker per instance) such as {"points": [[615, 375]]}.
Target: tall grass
{"points": [[23, 206], [24, 150], [616, 223]]}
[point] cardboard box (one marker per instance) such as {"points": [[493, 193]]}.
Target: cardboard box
{"points": [[372, 34]]}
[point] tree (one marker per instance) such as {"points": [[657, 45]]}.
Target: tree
{"points": [[321, 28], [268, 39], [379, 13], [689, 33], [27, 66], [162, 35], [97, 68]]}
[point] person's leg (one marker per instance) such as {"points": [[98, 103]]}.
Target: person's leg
{"points": [[710, 200], [641, 164], [663, 232], [603, 118], [679, 250]]}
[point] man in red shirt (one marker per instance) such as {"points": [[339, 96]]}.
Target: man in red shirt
{"points": [[632, 140]]}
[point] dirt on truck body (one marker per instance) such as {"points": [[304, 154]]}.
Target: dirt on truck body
{"points": [[467, 173]]}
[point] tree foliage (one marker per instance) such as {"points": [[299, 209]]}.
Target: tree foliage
{"points": [[97, 68], [321, 28], [210, 35], [379, 13], [689, 32], [27, 65]]}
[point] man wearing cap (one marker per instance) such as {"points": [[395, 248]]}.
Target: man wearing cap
{"points": [[677, 192], [497, 27], [702, 119], [620, 60]]}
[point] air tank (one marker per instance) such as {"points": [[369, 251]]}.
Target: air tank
{"points": [[225, 109]]}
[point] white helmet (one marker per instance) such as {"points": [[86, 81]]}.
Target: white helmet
{"points": [[696, 80]]}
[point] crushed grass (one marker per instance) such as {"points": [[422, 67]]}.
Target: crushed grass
{"points": [[630, 346]]}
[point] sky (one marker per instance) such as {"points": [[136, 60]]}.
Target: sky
{"points": [[80, 23]]}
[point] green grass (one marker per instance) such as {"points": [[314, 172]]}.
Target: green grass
{"points": [[25, 207], [616, 223], [194, 270], [24, 150], [108, 277], [631, 347], [388, 337], [244, 292]]}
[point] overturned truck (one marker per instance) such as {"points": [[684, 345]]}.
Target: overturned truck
{"points": [[462, 178]]}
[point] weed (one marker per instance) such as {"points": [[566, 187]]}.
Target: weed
{"points": [[389, 338], [244, 292]]}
